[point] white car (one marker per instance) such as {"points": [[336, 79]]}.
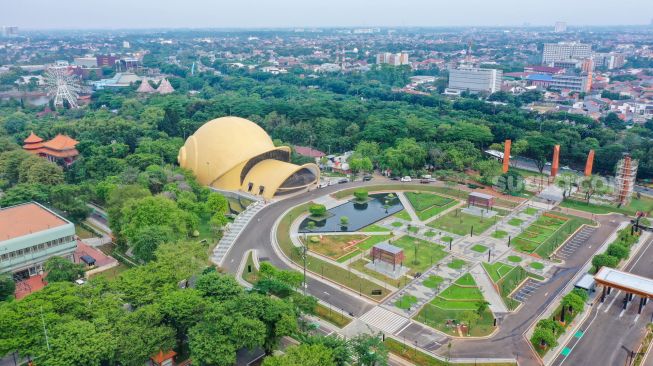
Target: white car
{"points": [[406, 179], [80, 281]]}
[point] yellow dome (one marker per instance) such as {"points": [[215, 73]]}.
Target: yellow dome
{"points": [[221, 144]]}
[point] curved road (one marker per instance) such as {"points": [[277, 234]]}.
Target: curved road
{"points": [[256, 235]]}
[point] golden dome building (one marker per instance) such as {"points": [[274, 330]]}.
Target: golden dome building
{"points": [[232, 153]]}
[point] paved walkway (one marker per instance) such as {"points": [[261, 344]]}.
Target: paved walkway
{"points": [[408, 207], [487, 288], [233, 231]]}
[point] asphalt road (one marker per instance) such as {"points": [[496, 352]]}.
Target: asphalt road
{"points": [[609, 332], [508, 341], [256, 235]]}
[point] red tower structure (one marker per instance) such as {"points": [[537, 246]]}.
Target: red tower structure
{"points": [[625, 179], [556, 161], [506, 155], [589, 164]]}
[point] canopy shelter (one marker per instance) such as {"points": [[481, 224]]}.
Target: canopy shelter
{"points": [[481, 200], [388, 253], [629, 283], [90, 261]]}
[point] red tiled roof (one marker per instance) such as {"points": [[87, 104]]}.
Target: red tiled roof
{"points": [[160, 357], [61, 142], [33, 138], [307, 151]]}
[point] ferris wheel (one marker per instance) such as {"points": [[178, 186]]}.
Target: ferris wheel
{"points": [[62, 85]]}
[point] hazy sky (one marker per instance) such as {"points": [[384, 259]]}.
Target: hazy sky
{"points": [[312, 13]]}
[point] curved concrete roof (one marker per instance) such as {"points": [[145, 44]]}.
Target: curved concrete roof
{"points": [[221, 144], [231, 152]]}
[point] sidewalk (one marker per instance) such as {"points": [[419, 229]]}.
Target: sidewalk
{"points": [[488, 290], [408, 207]]}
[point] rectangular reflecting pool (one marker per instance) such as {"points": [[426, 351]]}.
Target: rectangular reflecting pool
{"points": [[360, 214]]}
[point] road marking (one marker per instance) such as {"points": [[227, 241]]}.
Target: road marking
{"points": [[636, 318], [622, 313], [611, 302]]}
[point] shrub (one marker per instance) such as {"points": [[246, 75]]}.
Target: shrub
{"points": [[344, 220], [618, 251], [604, 260], [317, 210], [360, 194]]}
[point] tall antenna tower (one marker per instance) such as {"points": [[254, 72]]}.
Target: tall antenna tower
{"points": [[62, 85], [625, 179]]}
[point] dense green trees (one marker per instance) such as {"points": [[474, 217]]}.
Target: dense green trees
{"points": [[62, 270]]}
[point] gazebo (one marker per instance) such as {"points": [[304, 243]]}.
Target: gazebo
{"points": [[388, 253], [481, 200]]}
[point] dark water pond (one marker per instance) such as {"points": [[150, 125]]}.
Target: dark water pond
{"points": [[378, 206]]}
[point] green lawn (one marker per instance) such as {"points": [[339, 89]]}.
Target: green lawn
{"points": [[427, 205], [479, 248], [547, 233], [332, 316], [421, 201], [456, 263], [515, 221], [499, 234], [397, 224], [250, 272], [514, 258], [465, 280], [449, 308], [644, 204], [497, 270], [428, 253], [430, 233], [403, 215], [320, 267], [536, 265], [406, 302], [374, 228], [413, 229], [530, 211], [460, 223], [433, 281]]}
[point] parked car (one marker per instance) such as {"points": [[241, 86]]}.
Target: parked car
{"points": [[394, 178], [343, 180], [425, 181], [367, 178], [406, 179]]}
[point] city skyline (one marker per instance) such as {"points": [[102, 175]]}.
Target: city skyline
{"points": [[74, 14]]}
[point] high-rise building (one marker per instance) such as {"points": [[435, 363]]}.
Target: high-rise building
{"points": [[395, 59], [9, 31], [475, 79], [565, 51], [610, 60], [560, 27]]}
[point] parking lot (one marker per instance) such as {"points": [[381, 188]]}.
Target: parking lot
{"points": [[575, 242], [527, 290]]}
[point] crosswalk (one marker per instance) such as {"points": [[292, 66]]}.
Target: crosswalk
{"points": [[384, 320], [575, 242], [234, 231]]}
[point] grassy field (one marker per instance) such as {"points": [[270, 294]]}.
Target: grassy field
{"points": [[374, 228], [544, 235], [406, 302], [420, 358], [84, 233], [497, 270], [433, 281], [478, 248], [403, 215], [112, 273], [320, 267], [456, 263], [530, 211], [428, 253], [514, 258], [343, 247], [332, 316], [644, 204], [460, 223], [499, 234], [453, 305], [427, 205]]}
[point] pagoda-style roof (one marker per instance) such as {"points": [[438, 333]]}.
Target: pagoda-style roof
{"points": [[145, 87], [61, 143], [165, 87], [33, 138], [160, 357]]}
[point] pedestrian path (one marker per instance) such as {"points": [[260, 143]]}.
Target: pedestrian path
{"points": [[487, 288], [408, 207], [384, 320], [233, 232]]}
